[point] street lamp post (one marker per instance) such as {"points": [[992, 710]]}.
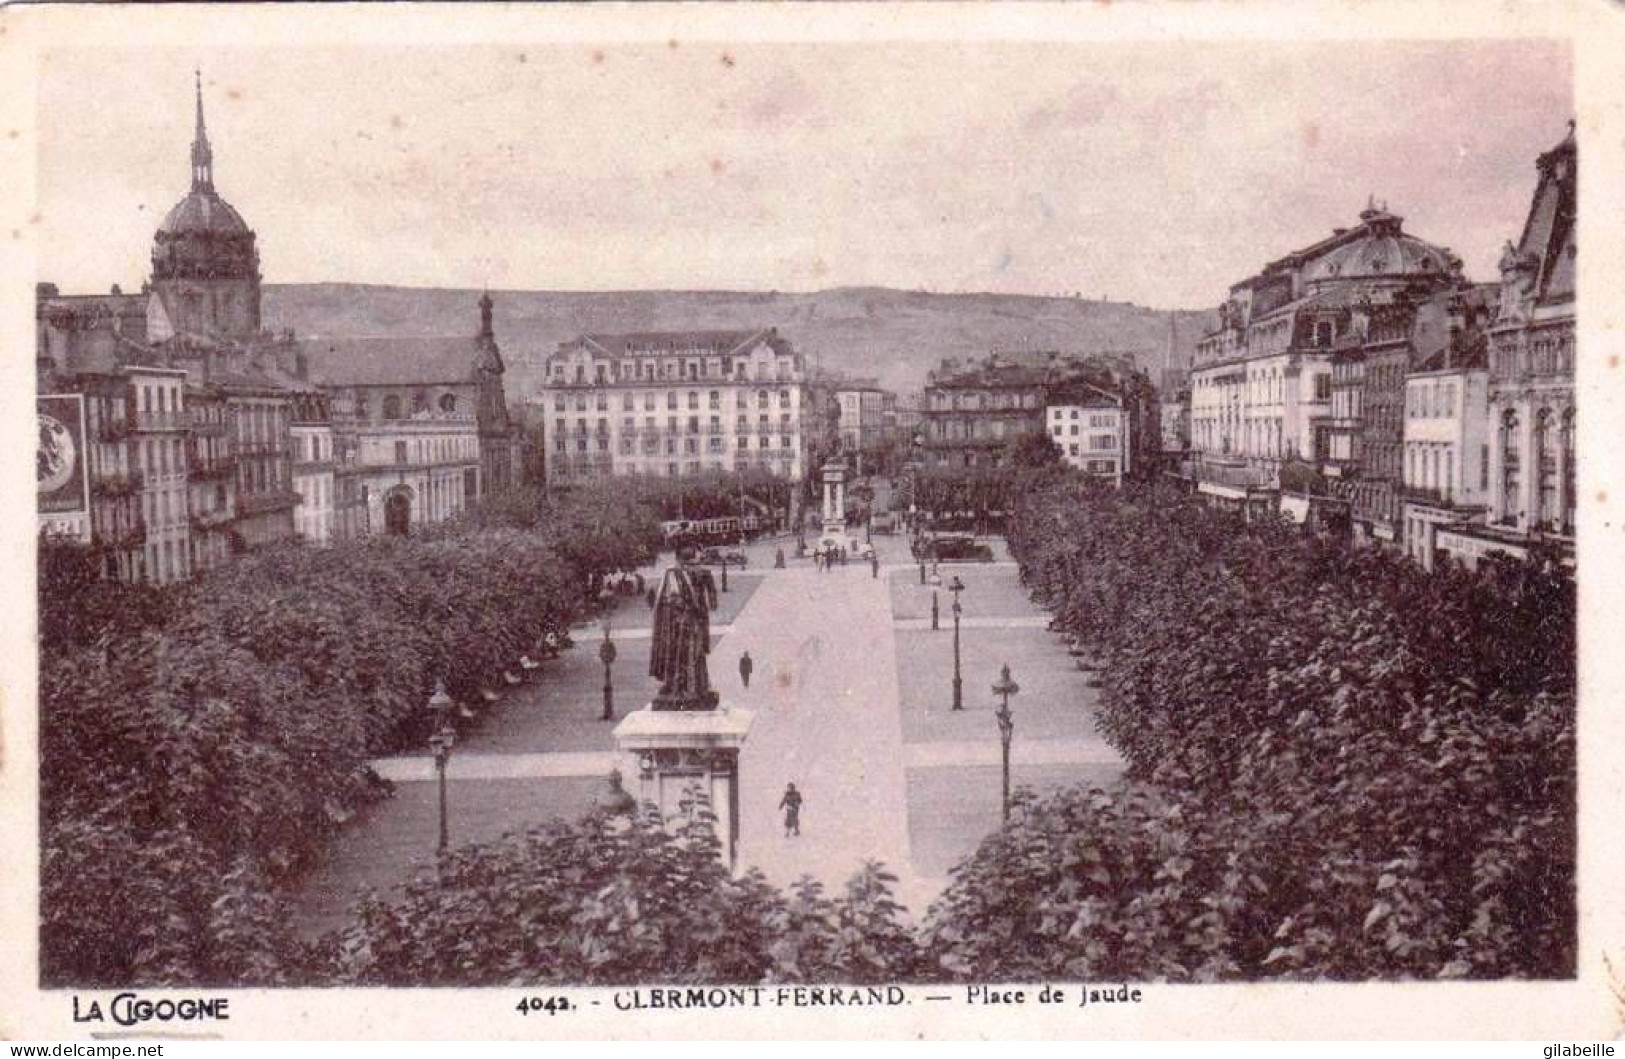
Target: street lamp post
{"points": [[441, 742], [606, 655], [1005, 688], [936, 583], [957, 586]]}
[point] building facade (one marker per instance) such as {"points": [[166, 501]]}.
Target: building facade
{"points": [[1446, 459], [1262, 382], [863, 424], [674, 404], [313, 463], [1531, 394], [1091, 429], [971, 413]]}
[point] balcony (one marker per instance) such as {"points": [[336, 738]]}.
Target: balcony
{"points": [[205, 427], [206, 470], [148, 422], [123, 538], [259, 448], [273, 500], [1237, 476], [1416, 494], [213, 519], [115, 485]]}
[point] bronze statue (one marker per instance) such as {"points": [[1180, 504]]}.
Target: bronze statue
{"points": [[682, 637]]}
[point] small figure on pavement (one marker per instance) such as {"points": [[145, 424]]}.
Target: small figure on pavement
{"points": [[745, 667], [874, 564], [778, 559], [791, 804], [649, 596]]}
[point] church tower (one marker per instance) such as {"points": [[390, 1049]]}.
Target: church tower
{"points": [[205, 266]]}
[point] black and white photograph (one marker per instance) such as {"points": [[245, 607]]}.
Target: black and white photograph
{"points": [[661, 516]]}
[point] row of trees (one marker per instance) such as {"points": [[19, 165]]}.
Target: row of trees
{"points": [[1340, 766], [200, 742]]}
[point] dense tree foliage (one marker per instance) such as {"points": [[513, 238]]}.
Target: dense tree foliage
{"points": [[200, 742], [1339, 767], [615, 900], [1347, 767]]}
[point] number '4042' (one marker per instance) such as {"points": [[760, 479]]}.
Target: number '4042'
{"points": [[552, 1005]]}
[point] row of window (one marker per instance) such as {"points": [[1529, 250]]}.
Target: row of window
{"points": [[672, 368], [1430, 400], [630, 400], [447, 403], [1097, 442], [958, 400], [600, 443]]}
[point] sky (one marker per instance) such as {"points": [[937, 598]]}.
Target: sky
{"points": [[1157, 173]]}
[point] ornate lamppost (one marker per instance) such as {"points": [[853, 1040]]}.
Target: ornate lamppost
{"points": [[957, 586], [606, 655], [1005, 688], [441, 742]]}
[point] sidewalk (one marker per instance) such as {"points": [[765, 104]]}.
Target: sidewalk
{"points": [[826, 700]]}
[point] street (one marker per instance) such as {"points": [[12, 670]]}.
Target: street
{"points": [[852, 695]]}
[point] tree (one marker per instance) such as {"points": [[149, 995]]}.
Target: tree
{"points": [[1032, 450]]}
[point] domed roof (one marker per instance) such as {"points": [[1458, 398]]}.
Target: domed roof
{"points": [[202, 210], [1379, 249]]}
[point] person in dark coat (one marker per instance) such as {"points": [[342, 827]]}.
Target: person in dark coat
{"points": [[745, 668], [649, 597], [874, 565], [791, 804]]}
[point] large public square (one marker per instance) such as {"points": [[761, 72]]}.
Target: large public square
{"points": [[852, 697]]}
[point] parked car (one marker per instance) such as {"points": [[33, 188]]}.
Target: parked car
{"points": [[719, 557], [955, 550]]}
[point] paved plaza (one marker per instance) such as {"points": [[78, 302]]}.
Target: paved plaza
{"points": [[852, 696]]}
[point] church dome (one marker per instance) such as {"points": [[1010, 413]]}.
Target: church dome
{"points": [[203, 211], [1379, 249]]}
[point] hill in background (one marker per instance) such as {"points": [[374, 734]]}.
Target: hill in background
{"points": [[896, 336]]}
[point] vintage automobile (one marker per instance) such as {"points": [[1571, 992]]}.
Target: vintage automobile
{"points": [[954, 549], [719, 557]]}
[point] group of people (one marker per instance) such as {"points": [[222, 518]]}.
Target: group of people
{"points": [[826, 557]]}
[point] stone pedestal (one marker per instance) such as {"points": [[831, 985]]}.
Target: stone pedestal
{"points": [[833, 475], [666, 751]]}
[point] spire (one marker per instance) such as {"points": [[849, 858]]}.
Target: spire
{"points": [[202, 156], [485, 315]]}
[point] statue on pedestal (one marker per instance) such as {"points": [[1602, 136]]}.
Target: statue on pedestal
{"points": [[682, 637]]}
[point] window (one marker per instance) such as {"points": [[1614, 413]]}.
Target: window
{"points": [[392, 406], [448, 402], [715, 400], [671, 400], [400, 452]]}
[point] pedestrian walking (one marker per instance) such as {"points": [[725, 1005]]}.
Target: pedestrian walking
{"points": [[649, 597], [778, 559], [791, 804], [745, 667], [874, 565]]}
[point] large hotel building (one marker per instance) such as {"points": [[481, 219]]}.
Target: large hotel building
{"points": [[674, 404]]}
